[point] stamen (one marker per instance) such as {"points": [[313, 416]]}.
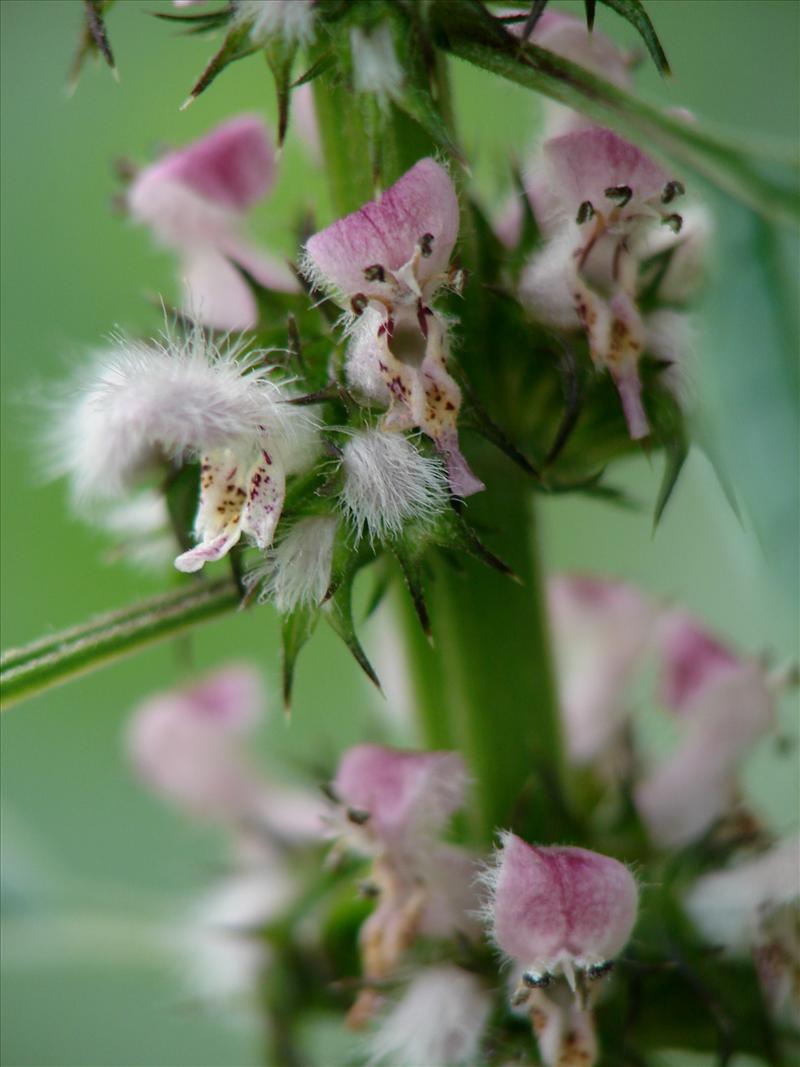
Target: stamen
{"points": [[585, 212], [537, 981], [675, 222], [358, 303], [426, 245], [600, 970], [620, 194], [671, 191], [358, 816], [375, 273], [329, 792]]}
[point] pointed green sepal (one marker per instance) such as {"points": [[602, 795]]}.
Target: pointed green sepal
{"points": [[237, 45], [296, 629], [182, 491], [591, 9], [634, 12], [338, 611], [93, 40], [410, 565]]}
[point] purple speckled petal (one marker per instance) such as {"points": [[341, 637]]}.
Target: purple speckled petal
{"points": [[386, 231], [555, 903], [585, 163], [232, 166]]}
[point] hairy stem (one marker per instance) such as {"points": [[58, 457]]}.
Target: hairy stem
{"points": [[52, 660]]}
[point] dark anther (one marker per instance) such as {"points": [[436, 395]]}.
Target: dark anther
{"points": [[426, 245], [620, 194], [375, 273], [368, 890], [600, 970], [358, 303], [672, 190], [537, 981], [358, 816], [675, 222], [585, 212]]}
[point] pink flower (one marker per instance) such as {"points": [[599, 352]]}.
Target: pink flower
{"points": [[194, 200], [392, 805], [601, 630], [726, 708], [691, 659], [386, 263], [753, 908], [186, 744], [559, 910], [600, 195], [399, 797]]}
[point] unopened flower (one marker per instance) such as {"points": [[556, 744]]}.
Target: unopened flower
{"points": [[392, 805], [603, 195], [388, 483], [297, 572], [439, 1021], [290, 20], [753, 908], [194, 200], [726, 708], [142, 404], [187, 744], [385, 263], [559, 911], [601, 631], [376, 68]]}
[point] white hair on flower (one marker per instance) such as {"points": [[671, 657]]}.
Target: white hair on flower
{"points": [[297, 571], [292, 20], [388, 483], [439, 1021], [376, 68]]}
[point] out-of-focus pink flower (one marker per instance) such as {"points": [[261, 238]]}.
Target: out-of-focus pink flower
{"points": [[600, 196], [754, 908], [385, 262], [186, 744], [725, 714], [602, 630], [194, 200], [392, 805], [691, 658], [559, 911], [399, 798]]}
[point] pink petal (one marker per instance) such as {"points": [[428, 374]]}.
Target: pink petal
{"points": [[184, 744], [216, 294], [208, 551], [683, 797], [386, 232], [404, 792], [552, 905], [569, 37], [601, 632], [586, 163], [233, 166], [463, 482], [691, 657], [629, 387]]}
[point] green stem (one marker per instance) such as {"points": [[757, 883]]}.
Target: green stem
{"points": [[490, 675], [53, 660]]}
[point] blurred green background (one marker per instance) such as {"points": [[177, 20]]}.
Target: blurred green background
{"points": [[90, 861]]}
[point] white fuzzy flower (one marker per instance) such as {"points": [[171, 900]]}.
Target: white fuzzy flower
{"points": [[180, 398], [292, 20], [297, 572], [388, 483], [376, 69], [438, 1022]]}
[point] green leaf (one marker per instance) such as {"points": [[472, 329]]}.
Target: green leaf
{"points": [[634, 12]]}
